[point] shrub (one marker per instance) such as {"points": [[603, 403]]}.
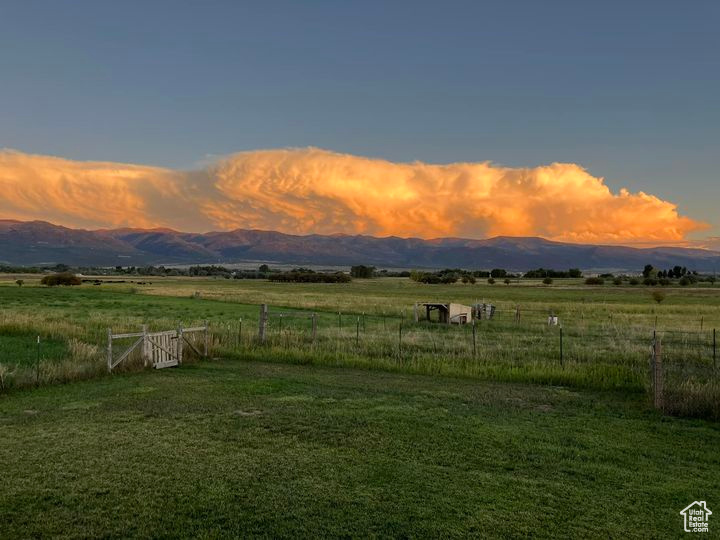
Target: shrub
{"points": [[634, 281], [594, 281], [658, 296], [664, 282], [548, 281], [617, 281], [63, 278], [507, 281], [650, 282], [19, 282], [491, 281]]}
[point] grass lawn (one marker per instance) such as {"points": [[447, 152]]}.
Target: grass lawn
{"points": [[234, 448]]}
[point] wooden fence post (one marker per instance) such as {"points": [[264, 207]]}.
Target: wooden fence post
{"points": [[474, 336], [207, 338], [400, 339], [415, 312], [263, 322], [144, 348], [657, 375], [109, 349], [179, 346]]}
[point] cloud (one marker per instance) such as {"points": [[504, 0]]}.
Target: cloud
{"points": [[315, 191]]}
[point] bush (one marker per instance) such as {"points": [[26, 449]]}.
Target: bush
{"points": [[594, 281], [634, 281], [63, 278], [491, 281], [19, 282], [617, 281], [650, 282], [548, 281], [658, 296], [507, 281]]}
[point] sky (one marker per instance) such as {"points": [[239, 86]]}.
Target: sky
{"points": [[578, 121]]}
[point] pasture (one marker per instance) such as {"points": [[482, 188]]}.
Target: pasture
{"points": [[607, 331], [374, 426]]}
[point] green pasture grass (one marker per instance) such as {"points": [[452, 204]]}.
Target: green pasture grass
{"points": [[237, 449], [607, 331]]}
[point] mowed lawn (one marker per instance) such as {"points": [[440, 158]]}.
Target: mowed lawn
{"points": [[234, 448]]}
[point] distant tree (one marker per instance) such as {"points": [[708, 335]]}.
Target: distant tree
{"points": [[594, 281], [491, 280], [575, 273], [62, 278], [658, 296], [498, 273], [548, 281], [648, 270], [634, 281], [618, 281], [362, 271], [264, 268], [507, 281]]}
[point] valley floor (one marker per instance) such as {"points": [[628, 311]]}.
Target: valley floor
{"points": [[237, 448]]}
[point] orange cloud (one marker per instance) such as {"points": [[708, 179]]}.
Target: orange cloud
{"points": [[316, 191]]}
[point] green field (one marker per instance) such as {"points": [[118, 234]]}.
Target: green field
{"points": [[378, 426], [232, 448]]}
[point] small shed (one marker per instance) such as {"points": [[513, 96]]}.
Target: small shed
{"points": [[448, 312]]}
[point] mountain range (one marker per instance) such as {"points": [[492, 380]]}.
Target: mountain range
{"points": [[40, 243]]}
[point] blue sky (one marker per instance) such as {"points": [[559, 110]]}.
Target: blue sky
{"points": [[628, 90]]}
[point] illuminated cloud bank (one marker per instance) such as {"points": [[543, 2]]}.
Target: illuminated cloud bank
{"points": [[315, 191]]}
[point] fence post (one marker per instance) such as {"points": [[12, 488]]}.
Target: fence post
{"points": [[314, 327], [339, 320], [474, 336], [415, 312], [37, 363], [207, 338], [239, 341], [179, 347], [357, 332], [145, 345], [561, 346], [263, 322], [657, 375], [714, 348], [109, 349], [400, 339]]}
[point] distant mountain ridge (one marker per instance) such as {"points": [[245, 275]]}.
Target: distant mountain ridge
{"points": [[39, 242]]}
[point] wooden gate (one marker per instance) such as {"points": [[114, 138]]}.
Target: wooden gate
{"points": [[159, 349], [163, 349]]}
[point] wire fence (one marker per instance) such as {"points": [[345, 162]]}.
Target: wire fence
{"points": [[515, 344]]}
